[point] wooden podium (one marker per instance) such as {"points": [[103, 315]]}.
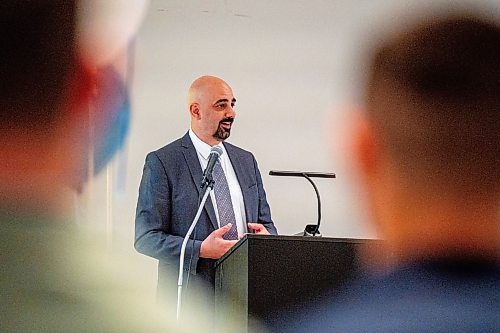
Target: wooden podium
{"points": [[270, 277]]}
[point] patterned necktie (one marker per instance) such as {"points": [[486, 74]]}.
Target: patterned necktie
{"points": [[224, 204]]}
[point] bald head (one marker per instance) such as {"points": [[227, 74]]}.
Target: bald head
{"points": [[203, 85], [211, 102]]}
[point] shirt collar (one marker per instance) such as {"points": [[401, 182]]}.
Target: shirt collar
{"points": [[201, 147]]}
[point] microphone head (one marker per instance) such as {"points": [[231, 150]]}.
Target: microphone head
{"points": [[216, 150]]}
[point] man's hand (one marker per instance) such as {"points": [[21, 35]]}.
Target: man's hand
{"points": [[258, 228], [214, 246]]}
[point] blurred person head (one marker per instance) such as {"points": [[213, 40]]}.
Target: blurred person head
{"points": [[43, 101], [211, 104], [55, 277], [428, 145]]}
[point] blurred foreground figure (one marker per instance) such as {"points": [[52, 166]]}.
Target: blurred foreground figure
{"points": [[53, 278], [428, 149]]}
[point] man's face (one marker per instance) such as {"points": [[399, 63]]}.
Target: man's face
{"points": [[216, 113]]}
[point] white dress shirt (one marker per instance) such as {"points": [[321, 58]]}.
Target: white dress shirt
{"points": [[203, 151]]}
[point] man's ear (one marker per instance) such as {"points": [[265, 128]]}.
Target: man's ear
{"points": [[366, 149], [194, 110], [82, 89], [77, 97], [72, 131]]}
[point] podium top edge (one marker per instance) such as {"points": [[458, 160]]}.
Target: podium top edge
{"points": [[248, 237]]}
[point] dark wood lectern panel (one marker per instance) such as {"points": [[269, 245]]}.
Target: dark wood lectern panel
{"points": [[269, 277]]}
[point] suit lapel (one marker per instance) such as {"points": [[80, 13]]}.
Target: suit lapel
{"points": [[194, 167], [244, 178]]}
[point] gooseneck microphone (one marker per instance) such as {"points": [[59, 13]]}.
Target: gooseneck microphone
{"points": [[311, 229], [207, 179]]}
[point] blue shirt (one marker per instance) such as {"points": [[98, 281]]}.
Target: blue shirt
{"points": [[450, 295]]}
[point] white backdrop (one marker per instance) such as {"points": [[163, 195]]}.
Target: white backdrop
{"points": [[295, 68]]}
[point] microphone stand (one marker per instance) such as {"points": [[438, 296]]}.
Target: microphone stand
{"points": [[206, 189]]}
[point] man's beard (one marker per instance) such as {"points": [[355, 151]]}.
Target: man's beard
{"points": [[221, 133]]}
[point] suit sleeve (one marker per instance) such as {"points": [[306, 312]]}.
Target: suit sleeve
{"points": [[152, 220], [264, 217]]}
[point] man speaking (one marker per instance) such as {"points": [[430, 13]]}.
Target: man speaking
{"points": [[171, 185]]}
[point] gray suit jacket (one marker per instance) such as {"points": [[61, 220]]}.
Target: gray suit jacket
{"points": [[167, 204]]}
